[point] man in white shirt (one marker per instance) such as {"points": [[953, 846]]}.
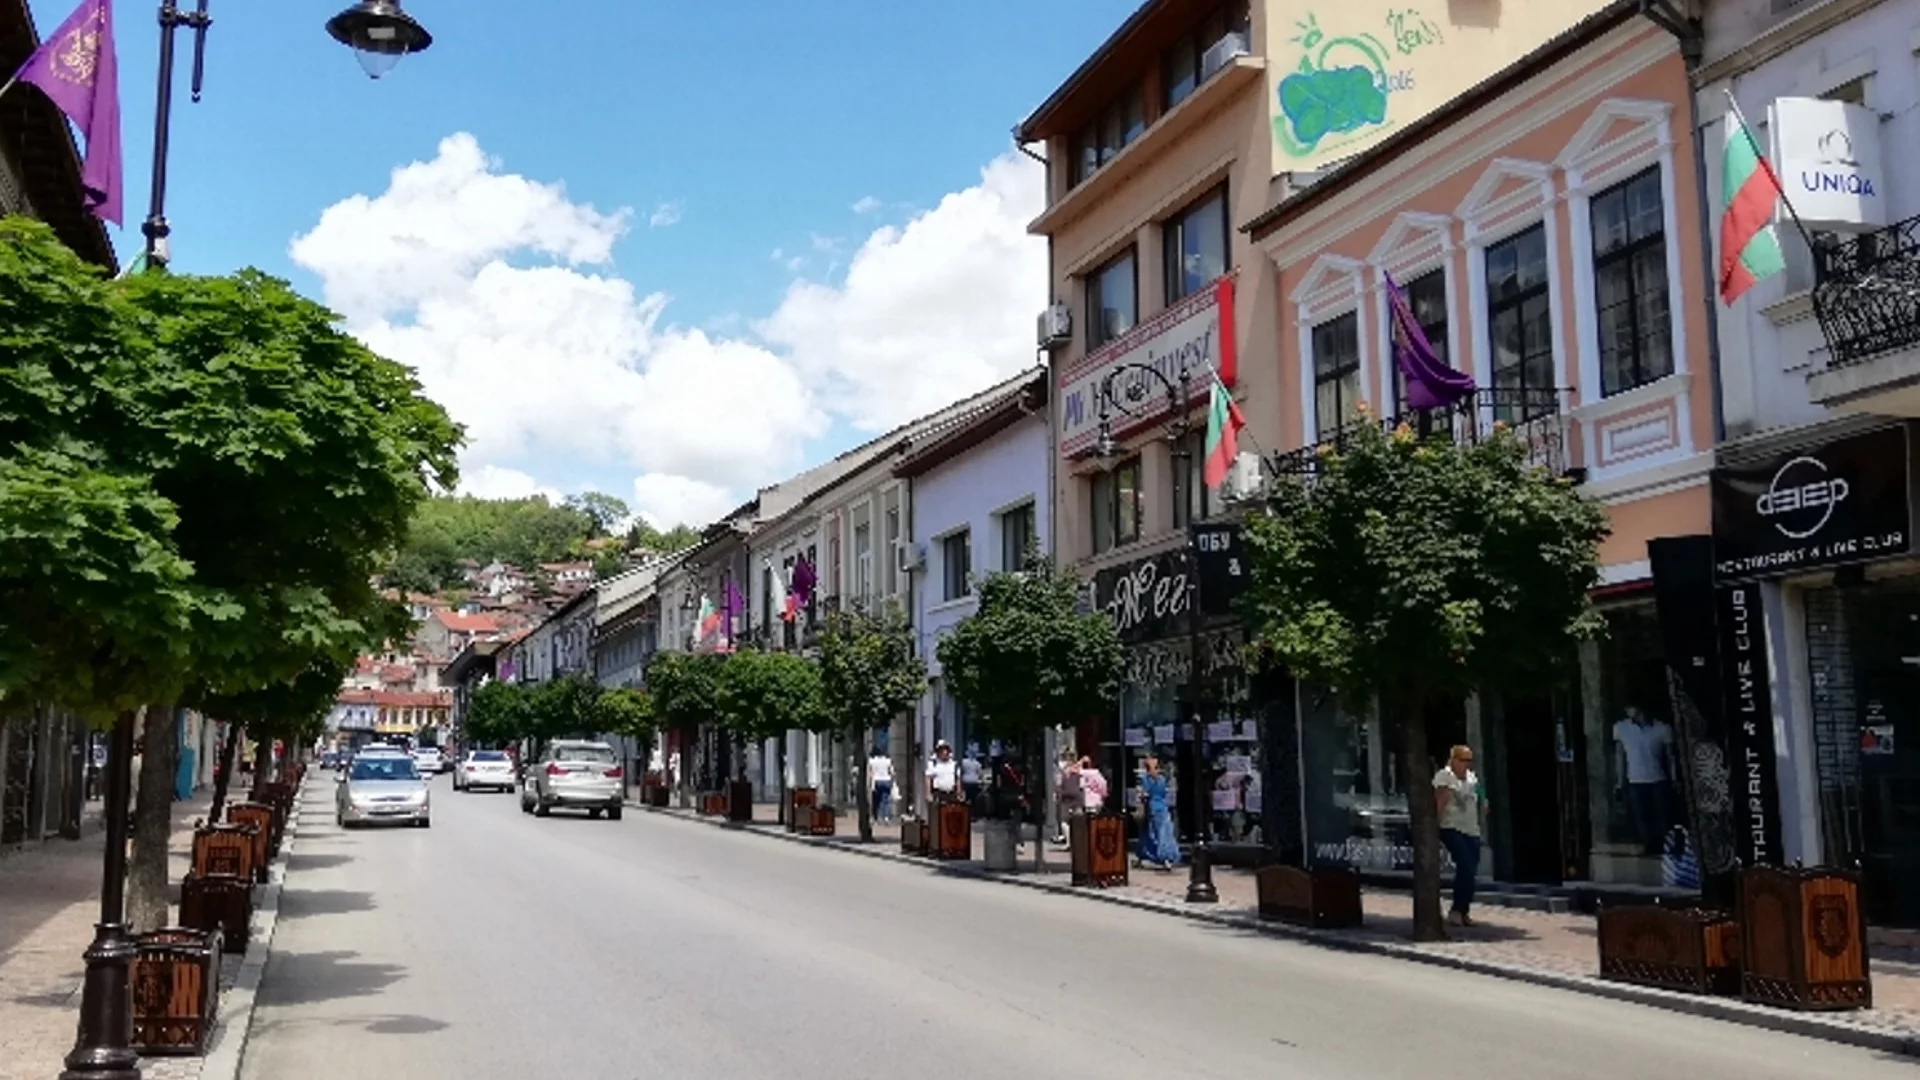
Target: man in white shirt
{"points": [[942, 773], [880, 778], [1646, 774], [970, 779]]}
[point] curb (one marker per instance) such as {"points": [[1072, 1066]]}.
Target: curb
{"points": [[224, 1058], [1906, 1045]]}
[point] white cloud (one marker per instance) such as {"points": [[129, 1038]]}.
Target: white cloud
{"points": [[498, 290], [866, 204], [667, 213], [497, 482]]}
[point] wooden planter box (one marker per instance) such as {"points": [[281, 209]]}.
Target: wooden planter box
{"points": [[821, 820], [222, 902], [175, 981], [713, 803], [659, 795], [1803, 939], [1685, 949], [260, 816], [1325, 897], [953, 831], [226, 849], [915, 836], [1097, 848], [798, 800], [740, 801]]}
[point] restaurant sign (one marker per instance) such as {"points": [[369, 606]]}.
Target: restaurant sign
{"points": [[1195, 334], [1846, 501]]}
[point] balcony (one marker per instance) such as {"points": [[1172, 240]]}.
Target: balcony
{"points": [[1866, 295], [1537, 416]]}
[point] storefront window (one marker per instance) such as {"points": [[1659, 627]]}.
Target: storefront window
{"points": [[1633, 753], [1356, 814], [1228, 745]]}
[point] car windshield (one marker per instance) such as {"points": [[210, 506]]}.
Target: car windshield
{"points": [[487, 755], [598, 754], [384, 768]]}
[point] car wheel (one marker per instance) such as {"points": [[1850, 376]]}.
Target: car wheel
{"points": [[426, 823], [541, 809], [525, 807], [613, 813]]}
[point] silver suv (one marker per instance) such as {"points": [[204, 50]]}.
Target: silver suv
{"points": [[572, 773]]}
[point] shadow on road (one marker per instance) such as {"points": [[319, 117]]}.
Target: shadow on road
{"points": [[302, 903], [308, 860], [306, 978], [402, 1025]]}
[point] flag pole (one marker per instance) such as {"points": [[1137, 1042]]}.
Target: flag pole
{"points": [[1746, 130]]}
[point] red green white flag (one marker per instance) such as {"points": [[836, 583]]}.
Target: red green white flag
{"points": [[1749, 190], [1223, 434]]}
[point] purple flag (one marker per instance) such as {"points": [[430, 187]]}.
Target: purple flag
{"points": [[75, 68], [803, 581], [1431, 384], [733, 604]]}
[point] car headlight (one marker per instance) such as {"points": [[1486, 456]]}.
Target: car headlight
{"points": [[418, 798]]}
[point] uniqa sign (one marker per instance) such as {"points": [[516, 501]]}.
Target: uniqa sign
{"points": [[1829, 162]]}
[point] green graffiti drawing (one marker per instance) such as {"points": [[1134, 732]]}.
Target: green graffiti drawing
{"points": [[1342, 83], [1411, 30]]}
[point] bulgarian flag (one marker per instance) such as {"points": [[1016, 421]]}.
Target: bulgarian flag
{"points": [[708, 622], [1749, 190], [1223, 434]]}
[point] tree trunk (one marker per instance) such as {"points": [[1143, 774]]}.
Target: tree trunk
{"points": [[223, 771], [780, 786], [1423, 816], [262, 767], [863, 789], [147, 893]]}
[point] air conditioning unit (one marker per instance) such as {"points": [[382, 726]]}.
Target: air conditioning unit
{"points": [[908, 557], [1056, 326], [1244, 479], [1223, 52]]}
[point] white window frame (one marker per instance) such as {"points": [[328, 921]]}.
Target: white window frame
{"points": [[1415, 245], [1490, 221], [1333, 286], [940, 546]]}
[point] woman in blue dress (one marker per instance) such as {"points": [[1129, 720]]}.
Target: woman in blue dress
{"points": [[1158, 846]]}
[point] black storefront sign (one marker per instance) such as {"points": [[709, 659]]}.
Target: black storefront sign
{"points": [[1747, 709], [1847, 501], [1149, 598]]}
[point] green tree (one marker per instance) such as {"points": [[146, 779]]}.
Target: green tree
{"points": [[764, 695], [644, 537], [869, 674], [685, 688], [603, 512], [1414, 571], [1028, 659], [498, 713]]}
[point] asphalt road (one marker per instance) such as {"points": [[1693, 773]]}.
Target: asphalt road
{"points": [[498, 945]]}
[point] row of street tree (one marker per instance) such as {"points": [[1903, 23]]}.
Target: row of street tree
{"points": [[200, 478]]}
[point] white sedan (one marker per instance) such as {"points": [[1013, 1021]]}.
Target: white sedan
{"points": [[490, 769]]}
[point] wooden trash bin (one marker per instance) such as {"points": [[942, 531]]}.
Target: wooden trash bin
{"points": [[659, 796], [953, 831], [175, 981], [260, 816], [821, 820], [1097, 849], [1688, 949], [913, 834], [1803, 939], [798, 800], [1324, 897], [713, 803], [740, 802], [222, 902], [226, 849]]}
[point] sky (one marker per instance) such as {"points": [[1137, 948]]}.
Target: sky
{"points": [[669, 251]]}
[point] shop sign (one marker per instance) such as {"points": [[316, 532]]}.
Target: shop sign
{"points": [[1848, 501], [1747, 708], [1149, 598], [1829, 163], [1194, 335]]}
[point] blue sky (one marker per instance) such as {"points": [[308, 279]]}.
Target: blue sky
{"points": [[760, 125]]}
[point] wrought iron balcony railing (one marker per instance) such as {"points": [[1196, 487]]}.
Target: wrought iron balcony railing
{"points": [[1537, 416], [1866, 292]]}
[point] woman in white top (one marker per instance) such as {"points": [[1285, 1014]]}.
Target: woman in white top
{"points": [[880, 776], [1457, 794]]}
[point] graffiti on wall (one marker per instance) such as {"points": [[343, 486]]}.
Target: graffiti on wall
{"points": [[1341, 89]]}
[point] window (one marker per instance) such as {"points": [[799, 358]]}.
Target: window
{"points": [[1190, 495], [1017, 537], [892, 537], [956, 564], [766, 601], [1427, 299], [1116, 506], [1630, 284], [862, 561], [1336, 374], [1183, 68], [1113, 301], [1520, 325], [1119, 124], [1196, 245]]}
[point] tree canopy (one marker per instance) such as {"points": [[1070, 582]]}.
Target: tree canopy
{"points": [[522, 532], [1027, 659], [685, 688], [869, 674], [764, 695]]}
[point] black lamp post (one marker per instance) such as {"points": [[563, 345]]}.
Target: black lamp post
{"points": [[377, 31], [101, 1050], [1130, 401]]}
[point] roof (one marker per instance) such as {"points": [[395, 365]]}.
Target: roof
{"points": [[396, 699], [48, 157], [461, 622], [1389, 150], [1117, 62], [1017, 403], [477, 656]]}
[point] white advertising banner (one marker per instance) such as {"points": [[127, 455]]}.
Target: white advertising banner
{"points": [[1828, 156], [1195, 334]]}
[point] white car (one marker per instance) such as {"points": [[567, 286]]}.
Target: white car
{"points": [[429, 760], [490, 769], [580, 775], [382, 789]]}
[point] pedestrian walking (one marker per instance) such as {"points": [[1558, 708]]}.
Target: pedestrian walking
{"points": [[1158, 845], [1457, 794], [942, 773], [1093, 786], [880, 776], [1066, 793], [970, 780]]}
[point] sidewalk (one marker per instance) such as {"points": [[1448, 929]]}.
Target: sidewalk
{"points": [[1546, 948], [49, 899]]}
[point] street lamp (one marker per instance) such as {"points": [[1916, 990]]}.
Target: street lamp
{"points": [[1131, 401], [377, 31]]}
